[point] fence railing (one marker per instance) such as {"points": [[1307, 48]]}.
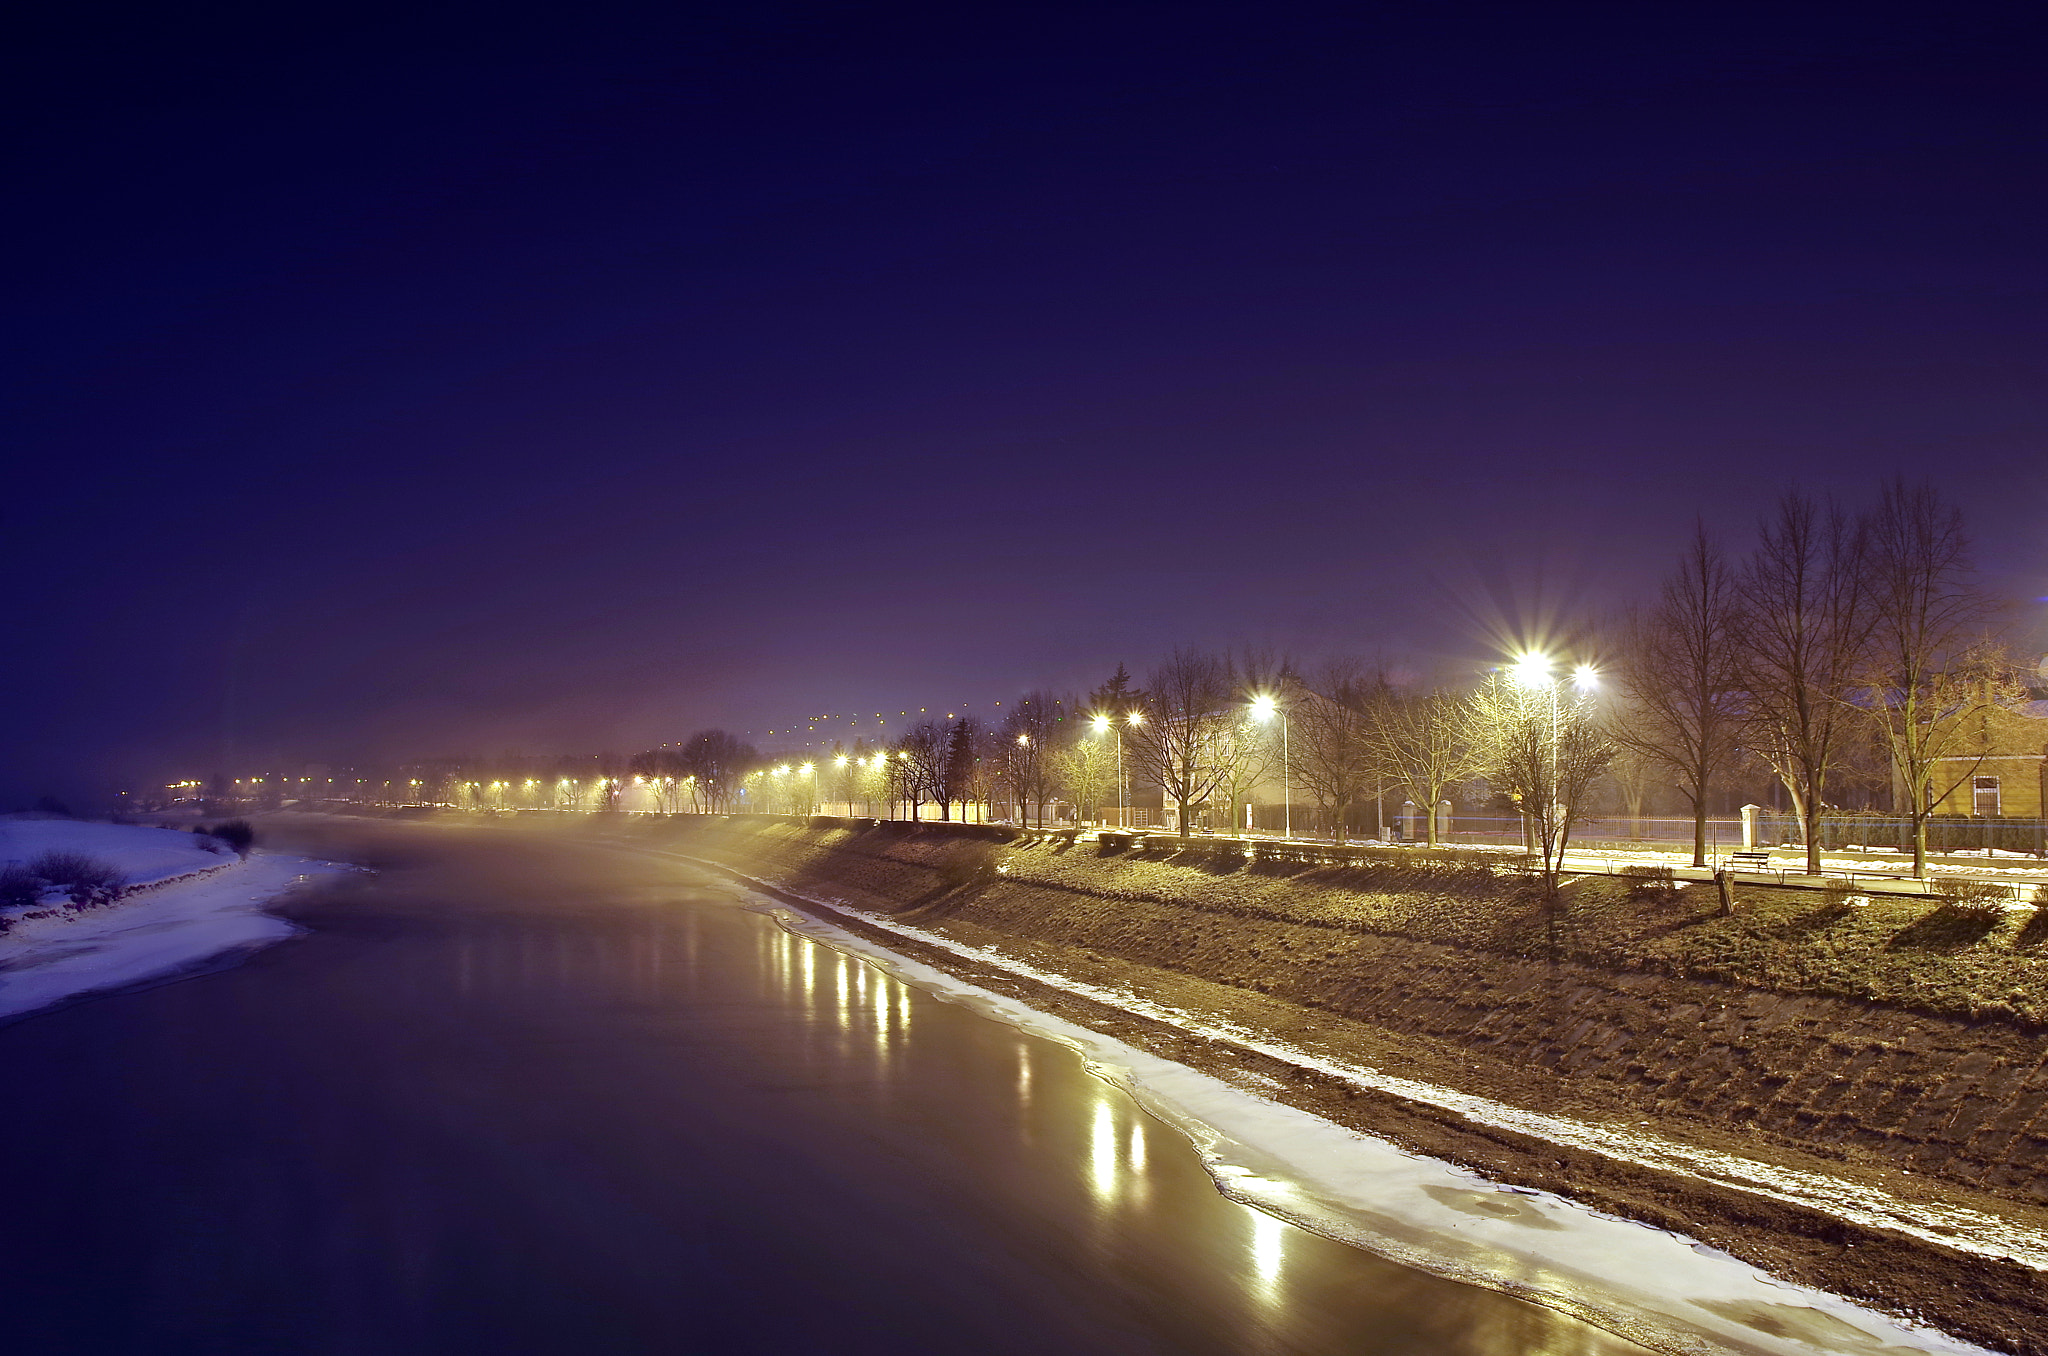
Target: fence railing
{"points": [[1945, 833], [1618, 831]]}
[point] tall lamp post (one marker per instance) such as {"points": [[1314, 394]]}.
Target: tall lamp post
{"points": [[1024, 791], [1532, 671], [1264, 708], [1102, 724]]}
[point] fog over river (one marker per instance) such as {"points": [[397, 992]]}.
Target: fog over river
{"points": [[516, 1094]]}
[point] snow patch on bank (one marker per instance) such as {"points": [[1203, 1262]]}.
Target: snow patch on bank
{"points": [[1650, 1285], [143, 856], [175, 926]]}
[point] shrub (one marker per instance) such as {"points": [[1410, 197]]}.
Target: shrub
{"points": [[19, 887], [87, 880], [237, 834], [1978, 900], [1834, 896], [1656, 883]]}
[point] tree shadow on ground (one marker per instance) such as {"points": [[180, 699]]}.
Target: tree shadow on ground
{"points": [[2035, 932], [941, 901], [1819, 918], [1945, 930], [1266, 867]]}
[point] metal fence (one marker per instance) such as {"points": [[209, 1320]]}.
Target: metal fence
{"points": [[1838, 832], [1945, 833], [1619, 831]]}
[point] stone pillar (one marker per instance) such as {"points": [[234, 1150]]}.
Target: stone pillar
{"points": [[1443, 821], [1749, 817]]}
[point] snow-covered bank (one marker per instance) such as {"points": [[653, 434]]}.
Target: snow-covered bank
{"points": [[143, 856], [1652, 1285], [195, 906]]}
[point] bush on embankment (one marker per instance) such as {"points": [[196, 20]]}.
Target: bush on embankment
{"points": [[87, 881]]}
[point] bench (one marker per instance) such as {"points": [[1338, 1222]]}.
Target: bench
{"points": [[1749, 861]]}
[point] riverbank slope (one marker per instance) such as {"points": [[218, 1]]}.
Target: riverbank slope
{"points": [[1890, 1053]]}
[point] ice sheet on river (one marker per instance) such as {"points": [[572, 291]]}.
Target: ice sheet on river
{"points": [[1653, 1286]]}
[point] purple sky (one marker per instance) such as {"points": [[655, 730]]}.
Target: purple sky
{"points": [[462, 383]]}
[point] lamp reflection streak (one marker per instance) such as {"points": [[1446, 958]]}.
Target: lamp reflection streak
{"points": [[1103, 1158], [1269, 1253]]}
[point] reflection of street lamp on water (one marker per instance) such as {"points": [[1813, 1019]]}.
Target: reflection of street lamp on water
{"points": [[1263, 709]]}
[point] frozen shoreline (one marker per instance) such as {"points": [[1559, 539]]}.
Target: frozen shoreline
{"points": [[162, 931], [1654, 1286]]}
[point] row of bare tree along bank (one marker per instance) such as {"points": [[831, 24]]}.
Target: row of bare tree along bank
{"points": [[1892, 1047]]}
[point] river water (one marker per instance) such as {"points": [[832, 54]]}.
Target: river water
{"points": [[512, 1094]]}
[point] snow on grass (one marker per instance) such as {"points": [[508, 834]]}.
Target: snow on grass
{"points": [[142, 855], [201, 907], [1656, 1287]]}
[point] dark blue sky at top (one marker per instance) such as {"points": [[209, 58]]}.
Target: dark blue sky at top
{"points": [[463, 380]]}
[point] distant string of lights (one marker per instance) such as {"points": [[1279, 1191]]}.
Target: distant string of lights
{"points": [[881, 721]]}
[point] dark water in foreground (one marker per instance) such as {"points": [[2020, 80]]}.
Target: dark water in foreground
{"points": [[518, 1095]]}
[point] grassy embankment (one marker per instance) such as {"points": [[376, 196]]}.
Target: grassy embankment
{"points": [[1896, 1047], [1895, 1031]]}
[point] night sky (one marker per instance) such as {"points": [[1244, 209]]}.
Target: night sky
{"points": [[473, 380]]}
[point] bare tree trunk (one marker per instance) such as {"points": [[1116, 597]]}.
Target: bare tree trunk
{"points": [[1810, 816]]}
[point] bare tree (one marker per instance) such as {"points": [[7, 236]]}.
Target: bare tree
{"points": [[1543, 747], [876, 781], [920, 765], [1682, 704], [661, 771], [717, 762], [1332, 727], [837, 777], [1249, 756], [1928, 665], [1803, 628], [1191, 735], [972, 765], [1083, 767], [1424, 744], [610, 782], [1026, 743], [1634, 775], [893, 778]]}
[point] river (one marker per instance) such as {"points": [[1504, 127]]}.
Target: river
{"points": [[515, 1094]]}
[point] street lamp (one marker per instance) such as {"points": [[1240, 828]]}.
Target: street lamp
{"points": [[1263, 708], [1533, 670], [1102, 726], [1102, 723]]}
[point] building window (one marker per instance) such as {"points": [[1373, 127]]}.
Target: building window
{"points": [[1984, 795]]}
